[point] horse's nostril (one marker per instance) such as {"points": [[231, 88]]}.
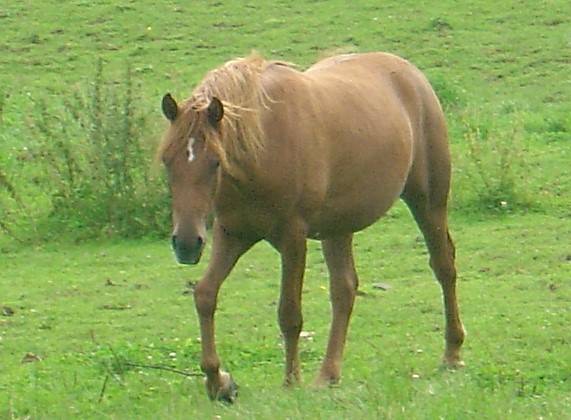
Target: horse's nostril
{"points": [[190, 248]]}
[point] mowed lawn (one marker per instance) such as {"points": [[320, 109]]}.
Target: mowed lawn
{"points": [[84, 326]]}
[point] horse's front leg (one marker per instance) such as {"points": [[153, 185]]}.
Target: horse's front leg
{"points": [[225, 252], [292, 247]]}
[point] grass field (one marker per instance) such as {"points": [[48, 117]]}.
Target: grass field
{"points": [[76, 317], [86, 310]]}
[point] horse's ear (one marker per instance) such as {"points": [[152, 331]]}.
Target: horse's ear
{"points": [[215, 111], [170, 108]]}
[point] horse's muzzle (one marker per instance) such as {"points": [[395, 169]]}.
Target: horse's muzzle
{"points": [[187, 253]]}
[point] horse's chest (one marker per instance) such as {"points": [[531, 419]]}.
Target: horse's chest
{"points": [[252, 216]]}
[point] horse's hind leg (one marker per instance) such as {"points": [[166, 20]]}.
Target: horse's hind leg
{"points": [[431, 216], [343, 285]]}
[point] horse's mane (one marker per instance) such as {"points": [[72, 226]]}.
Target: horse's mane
{"points": [[238, 85]]}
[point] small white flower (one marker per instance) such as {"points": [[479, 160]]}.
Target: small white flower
{"points": [[307, 335]]}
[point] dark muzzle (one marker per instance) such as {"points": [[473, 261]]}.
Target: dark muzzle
{"points": [[187, 252]]}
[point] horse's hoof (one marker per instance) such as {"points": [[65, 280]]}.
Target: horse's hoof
{"points": [[228, 391], [326, 381], [452, 364]]}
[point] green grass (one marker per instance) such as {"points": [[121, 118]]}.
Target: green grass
{"points": [[499, 67], [489, 51], [86, 309]]}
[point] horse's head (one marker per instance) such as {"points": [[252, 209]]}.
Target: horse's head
{"points": [[192, 167]]}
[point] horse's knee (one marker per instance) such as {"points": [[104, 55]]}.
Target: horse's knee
{"points": [[349, 284], [343, 291], [290, 318], [451, 245], [444, 270], [204, 299]]}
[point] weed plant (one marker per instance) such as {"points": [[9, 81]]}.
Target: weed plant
{"points": [[91, 156], [494, 169]]}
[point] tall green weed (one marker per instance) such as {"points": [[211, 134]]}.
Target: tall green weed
{"points": [[90, 156], [493, 170]]}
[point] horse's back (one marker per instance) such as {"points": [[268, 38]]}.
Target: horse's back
{"points": [[349, 130], [372, 122]]}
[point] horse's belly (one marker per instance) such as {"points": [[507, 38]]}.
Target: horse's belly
{"points": [[356, 209], [363, 187]]}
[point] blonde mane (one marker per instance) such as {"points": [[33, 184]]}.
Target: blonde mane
{"points": [[237, 84]]}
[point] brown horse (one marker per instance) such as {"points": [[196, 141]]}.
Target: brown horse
{"points": [[282, 155]]}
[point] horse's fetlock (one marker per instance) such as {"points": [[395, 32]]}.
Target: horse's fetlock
{"points": [[445, 273], [290, 327], [456, 337], [210, 366]]}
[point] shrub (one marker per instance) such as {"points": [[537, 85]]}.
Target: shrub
{"points": [[15, 215], [91, 156], [493, 173], [9, 190]]}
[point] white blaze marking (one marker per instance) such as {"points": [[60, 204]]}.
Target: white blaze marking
{"points": [[190, 150]]}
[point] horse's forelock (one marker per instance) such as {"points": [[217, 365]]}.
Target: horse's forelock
{"points": [[176, 136], [237, 84]]}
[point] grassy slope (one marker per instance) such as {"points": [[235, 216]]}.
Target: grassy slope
{"points": [[492, 59], [493, 50], [515, 270]]}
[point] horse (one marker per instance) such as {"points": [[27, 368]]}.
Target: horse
{"points": [[284, 155]]}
